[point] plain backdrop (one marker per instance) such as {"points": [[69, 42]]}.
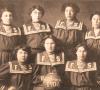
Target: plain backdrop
{"points": [[52, 9]]}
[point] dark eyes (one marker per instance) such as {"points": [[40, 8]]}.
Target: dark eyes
{"points": [[8, 15]]}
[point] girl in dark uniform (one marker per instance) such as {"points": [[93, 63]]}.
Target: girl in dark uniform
{"points": [[51, 63], [92, 37], [36, 29], [10, 36], [80, 73], [70, 31], [18, 74]]}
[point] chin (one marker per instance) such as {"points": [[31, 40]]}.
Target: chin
{"points": [[35, 21], [7, 23]]}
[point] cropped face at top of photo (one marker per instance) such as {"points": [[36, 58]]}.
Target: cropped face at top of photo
{"points": [[7, 17], [36, 15], [49, 45]]}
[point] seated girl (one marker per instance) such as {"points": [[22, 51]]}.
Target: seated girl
{"points": [[18, 73], [51, 62], [81, 73]]}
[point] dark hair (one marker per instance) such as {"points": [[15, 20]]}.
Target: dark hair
{"points": [[82, 45], [74, 6], [24, 48], [95, 13], [5, 9], [57, 43], [36, 7], [85, 47]]}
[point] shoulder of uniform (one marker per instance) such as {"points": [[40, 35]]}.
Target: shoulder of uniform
{"points": [[91, 64], [40, 54], [16, 68], [44, 28], [70, 63], [17, 29], [60, 24], [13, 62], [26, 26], [13, 65], [41, 58], [89, 34], [76, 25], [61, 54]]}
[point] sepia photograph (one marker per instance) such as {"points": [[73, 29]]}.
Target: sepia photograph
{"points": [[49, 44]]}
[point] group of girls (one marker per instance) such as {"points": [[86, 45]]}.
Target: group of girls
{"points": [[38, 56]]}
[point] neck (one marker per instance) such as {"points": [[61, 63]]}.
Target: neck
{"points": [[7, 24], [21, 63], [96, 31], [35, 22], [81, 60], [69, 20], [50, 53]]}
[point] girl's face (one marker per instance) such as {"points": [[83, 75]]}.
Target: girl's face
{"points": [[22, 56], [81, 53], [69, 13], [96, 21], [49, 45], [36, 15], [7, 17]]}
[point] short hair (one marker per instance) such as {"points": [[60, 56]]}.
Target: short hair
{"points": [[24, 48], [73, 5], [95, 13], [38, 7]]}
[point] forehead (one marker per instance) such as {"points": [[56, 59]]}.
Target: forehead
{"points": [[81, 49], [69, 8], [21, 50], [49, 40], [6, 13], [36, 11], [95, 16]]}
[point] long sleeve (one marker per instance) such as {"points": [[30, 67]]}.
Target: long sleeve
{"points": [[36, 74], [4, 71]]}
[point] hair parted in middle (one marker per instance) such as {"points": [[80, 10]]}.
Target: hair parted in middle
{"points": [[73, 5], [38, 7]]}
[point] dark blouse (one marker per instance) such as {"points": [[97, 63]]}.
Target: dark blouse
{"points": [[81, 77], [13, 74], [47, 66], [71, 35], [34, 36], [8, 41], [93, 43]]}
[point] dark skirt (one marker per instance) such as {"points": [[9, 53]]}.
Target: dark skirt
{"points": [[42, 88], [83, 88]]}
